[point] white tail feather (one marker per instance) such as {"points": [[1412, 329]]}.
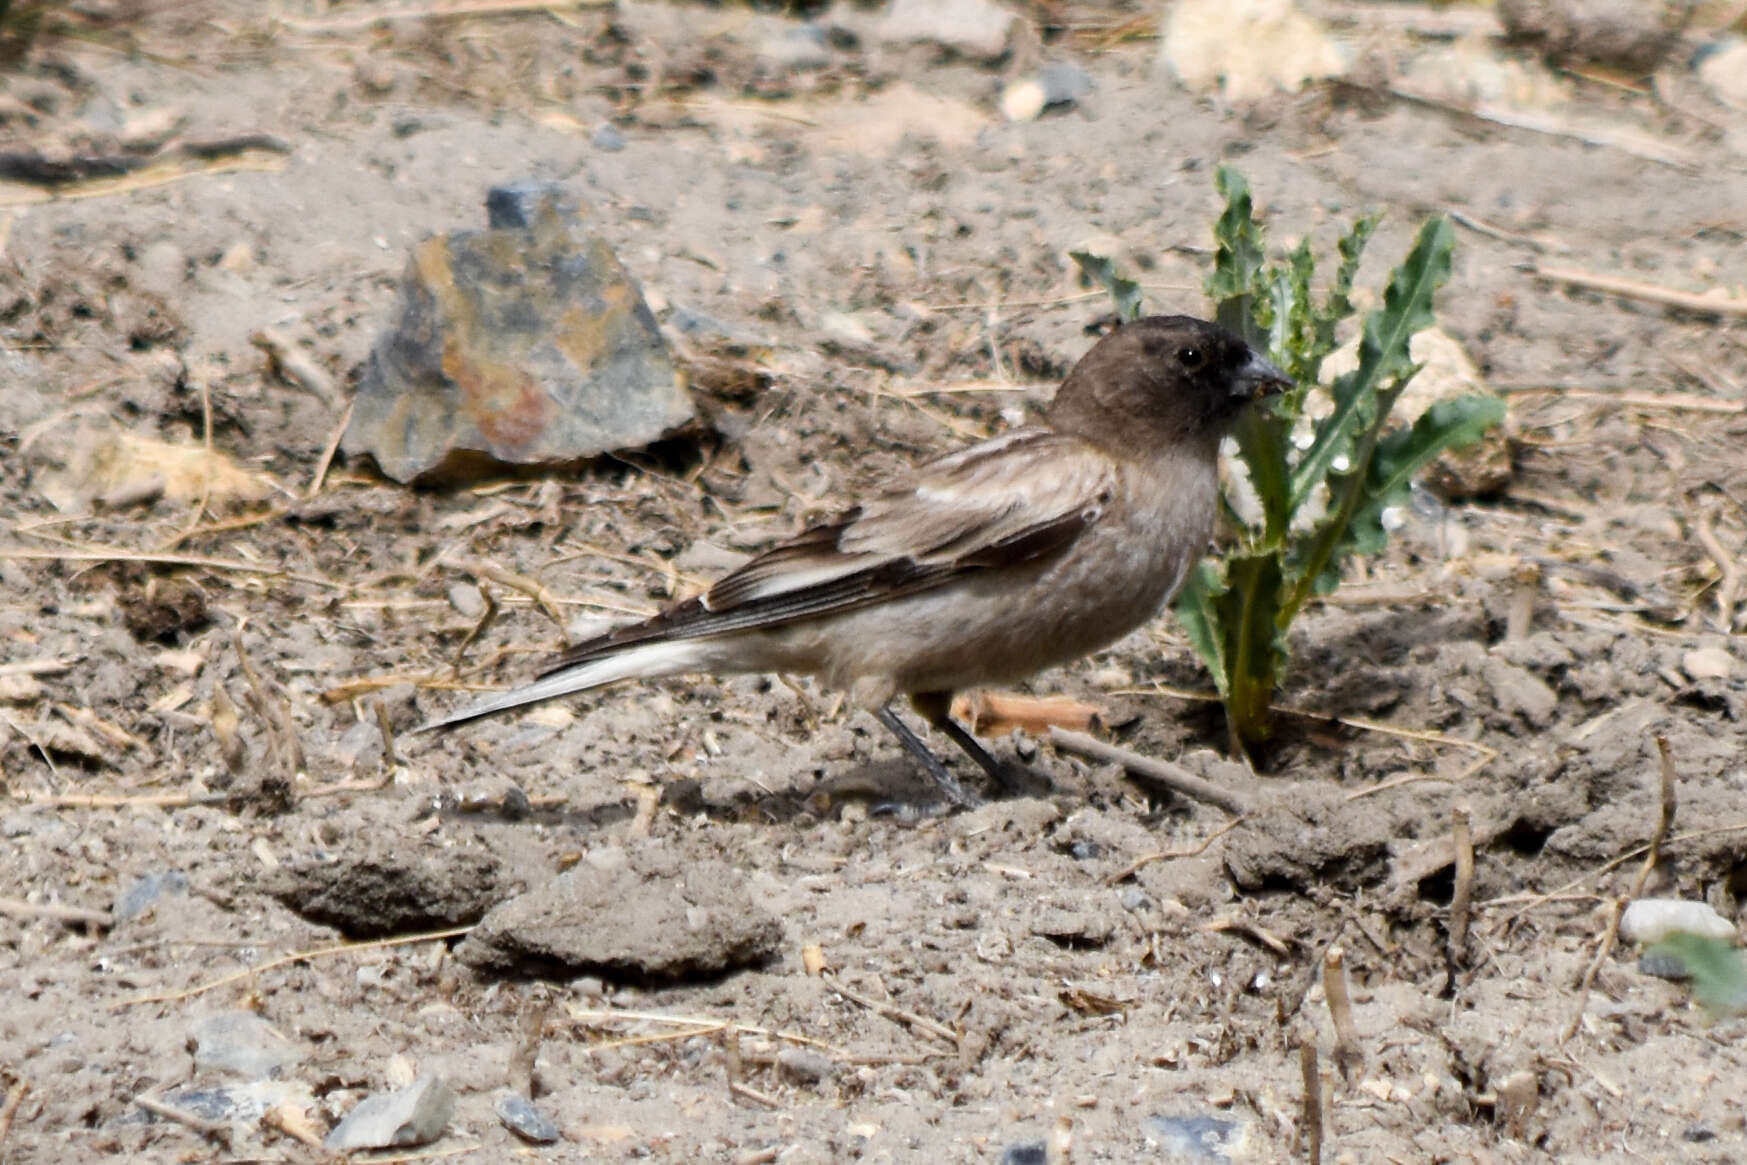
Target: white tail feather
{"points": [[646, 661]]}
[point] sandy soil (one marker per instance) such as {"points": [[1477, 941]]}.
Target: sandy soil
{"points": [[870, 264]]}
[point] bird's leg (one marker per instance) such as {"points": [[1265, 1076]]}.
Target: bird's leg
{"points": [[930, 763], [936, 708]]}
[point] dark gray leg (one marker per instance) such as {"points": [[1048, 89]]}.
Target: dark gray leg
{"points": [[929, 762], [936, 708]]}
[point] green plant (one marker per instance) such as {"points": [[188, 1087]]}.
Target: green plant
{"points": [[1321, 488]]}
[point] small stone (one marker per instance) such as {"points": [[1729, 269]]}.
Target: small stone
{"points": [[1708, 663], [1064, 83], [977, 29], [1023, 100], [799, 47], [1520, 693], [142, 894], [467, 599], [412, 1116], [805, 1066], [1199, 1138], [242, 1104], [1030, 1153], [520, 1117], [238, 259], [1664, 965], [524, 344], [242, 1043], [608, 139], [1650, 920]]}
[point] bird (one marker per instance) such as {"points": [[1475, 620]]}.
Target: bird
{"points": [[981, 567]]}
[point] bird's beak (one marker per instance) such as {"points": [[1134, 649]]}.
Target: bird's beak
{"points": [[1259, 378]]}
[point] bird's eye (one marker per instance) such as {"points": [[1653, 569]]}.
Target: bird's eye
{"points": [[1191, 358]]}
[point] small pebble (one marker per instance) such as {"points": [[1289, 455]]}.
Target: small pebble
{"points": [[144, 894], [1708, 663], [608, 139], [1650, 920], [520, 1117], [1030, 1153], [804, 1066]]}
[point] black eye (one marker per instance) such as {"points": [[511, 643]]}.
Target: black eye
{"points": [[1191, 358]]}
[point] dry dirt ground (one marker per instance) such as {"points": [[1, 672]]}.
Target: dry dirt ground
{"points": [[863, 262]]}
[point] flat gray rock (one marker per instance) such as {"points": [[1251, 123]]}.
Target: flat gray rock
{"points": [[416, 1115], [641, 916], [242, 1043], [524, 344]]}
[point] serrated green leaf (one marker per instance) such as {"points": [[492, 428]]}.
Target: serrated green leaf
{"points": [[1403, 453], [1196, 610], [1717, 970], [1125, 292], [1235, 285], [1384, 355]]}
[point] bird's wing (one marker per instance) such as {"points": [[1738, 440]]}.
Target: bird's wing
{"points": [[1013, 499]]}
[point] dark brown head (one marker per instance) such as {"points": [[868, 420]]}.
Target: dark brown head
{"points": [[1159, 383]]}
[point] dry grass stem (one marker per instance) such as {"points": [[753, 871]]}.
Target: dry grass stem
{"points": [[909, 1019], [196, 561], [1716, 305], [520, 1075], [1310, 1116], [1349, 1053], [533, 588], [1165, 855], [474, 633], [212, 1130], [1148, 769], [1525, 589], [329, 450], [144, 179], [1664, 820], [1254, 931], [1462, 893], [9, 1110], [19, 908], [286, 960], [1729, 582]]}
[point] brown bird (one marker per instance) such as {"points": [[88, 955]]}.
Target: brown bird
{"points": [[1024, 551]]}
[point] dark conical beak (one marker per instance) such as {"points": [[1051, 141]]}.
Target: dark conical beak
{"points": [[1260, 377]]}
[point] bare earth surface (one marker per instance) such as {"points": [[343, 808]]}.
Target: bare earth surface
{"points": [[862, 262]]}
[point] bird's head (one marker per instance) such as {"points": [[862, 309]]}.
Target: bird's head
{"points": [[1162, 379]]}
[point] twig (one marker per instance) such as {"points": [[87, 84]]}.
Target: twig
{"points": [[285, 960], [1158, 772], [1721, 305], [19, 908], [1602, 951], [14, 1098], [527, 1049], [1664, 822], [326, 460], [1349, 1053], [1310, 1121], [144, 179], [1729, 585], [386, 728], [213, 1130], [1652, 853], [37, 667], [479, 628], [533, 588], [893, 1012], [1164, 855], [1462, 895], [1525, 588], [295, 368], [17, 554], [1254, 931]]}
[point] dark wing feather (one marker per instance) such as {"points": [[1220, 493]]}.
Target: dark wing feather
{"points": [[1008, 501]]}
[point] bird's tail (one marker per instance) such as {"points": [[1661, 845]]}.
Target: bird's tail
{"points": [[644, 661]]}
